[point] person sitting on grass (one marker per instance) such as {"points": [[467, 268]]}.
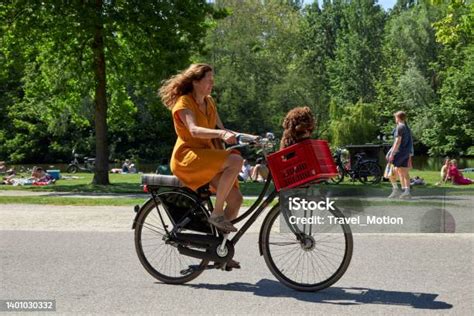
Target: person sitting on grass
{"points": [[9, 177], [245, 173], [40, 177], [456, 175], [444, 171], [132, 168], [126, 166], [260, 171]]}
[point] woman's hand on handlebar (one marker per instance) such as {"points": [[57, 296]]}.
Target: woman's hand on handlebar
{"points": [[229, 137], [247, 138]]}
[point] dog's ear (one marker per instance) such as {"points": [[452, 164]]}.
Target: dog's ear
{"points": [[286, 123]]}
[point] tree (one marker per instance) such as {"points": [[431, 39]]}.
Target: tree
{"points": [[72, 50], [316, 49], [356, 124], [408, 81], [452, 130], [357, 56], [415, 96]]}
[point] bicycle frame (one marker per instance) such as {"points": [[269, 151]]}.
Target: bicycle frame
{"points": [[255, 209]]}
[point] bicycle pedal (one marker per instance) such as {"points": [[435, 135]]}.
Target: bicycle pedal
{"points": [[191, 269], [187, 271]]}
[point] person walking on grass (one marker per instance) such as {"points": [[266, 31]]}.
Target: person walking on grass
{"points": [[401, 156]]}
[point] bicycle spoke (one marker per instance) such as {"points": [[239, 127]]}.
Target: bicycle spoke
{"points": [[284, 243]]}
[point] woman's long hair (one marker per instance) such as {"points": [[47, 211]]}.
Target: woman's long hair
{"points": [[181, 84]]}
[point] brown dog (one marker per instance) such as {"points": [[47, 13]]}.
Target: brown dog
{"points": [[298, 124]]}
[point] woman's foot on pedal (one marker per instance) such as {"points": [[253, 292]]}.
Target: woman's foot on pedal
{"points": [[221, 223]]}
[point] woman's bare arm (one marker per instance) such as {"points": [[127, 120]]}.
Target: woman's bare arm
{"points": [[395, 146], [187, 117]]}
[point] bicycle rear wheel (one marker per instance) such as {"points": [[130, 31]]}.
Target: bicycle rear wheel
{"points": [[316, 261], [157, 253], [369, 172]]}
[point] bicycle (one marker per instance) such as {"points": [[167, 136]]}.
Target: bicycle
{"points": [[367, 171], [175, 243], [75, 166]]}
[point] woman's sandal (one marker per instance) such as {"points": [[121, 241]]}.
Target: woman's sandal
{"points": [[221, 223]]}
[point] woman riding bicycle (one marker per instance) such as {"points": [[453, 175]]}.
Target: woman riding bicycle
{"points": [[174, 242], [197, 158]]}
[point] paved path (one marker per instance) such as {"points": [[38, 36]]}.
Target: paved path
{"points": [[99, 273], [84, 258]]}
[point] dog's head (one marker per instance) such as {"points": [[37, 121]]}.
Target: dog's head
{"points": [[299, 123]]}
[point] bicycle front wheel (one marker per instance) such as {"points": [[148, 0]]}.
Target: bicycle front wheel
{"points": [[310, 260]]}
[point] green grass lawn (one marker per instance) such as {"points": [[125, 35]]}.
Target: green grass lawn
{"points": [[131, 183], [120, 183]]}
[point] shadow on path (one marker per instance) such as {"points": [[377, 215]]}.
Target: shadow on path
{"points": [[333, 295]]}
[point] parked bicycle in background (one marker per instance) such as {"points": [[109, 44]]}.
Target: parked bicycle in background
{"points": [[87, 165], [366, 170]]}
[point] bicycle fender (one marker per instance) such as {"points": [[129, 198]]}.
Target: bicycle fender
{"points": [[260, 238], [134, 224]]}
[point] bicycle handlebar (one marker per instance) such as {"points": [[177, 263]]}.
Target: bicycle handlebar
{"points": [[262, 142]]}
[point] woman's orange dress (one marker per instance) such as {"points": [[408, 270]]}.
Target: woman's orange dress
{"points": [[195, 161]]}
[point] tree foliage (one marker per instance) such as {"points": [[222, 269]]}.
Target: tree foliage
{"points": [[351, 62], [89, 65]]}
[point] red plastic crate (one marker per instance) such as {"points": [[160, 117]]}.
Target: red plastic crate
{"points": [[304, 162]]}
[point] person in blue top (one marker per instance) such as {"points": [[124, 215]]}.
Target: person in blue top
{"points": [[401, 156]]}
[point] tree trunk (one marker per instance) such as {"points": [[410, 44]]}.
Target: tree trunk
{"points": [[101, 173]]}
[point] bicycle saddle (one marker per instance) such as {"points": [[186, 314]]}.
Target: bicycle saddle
{"points": [[161, 180]]}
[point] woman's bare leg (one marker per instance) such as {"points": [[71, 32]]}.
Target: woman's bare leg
{"points": [[405, 180], [226, 180], [255, 172], [393, 180], [234, 199], [233, 203]]}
